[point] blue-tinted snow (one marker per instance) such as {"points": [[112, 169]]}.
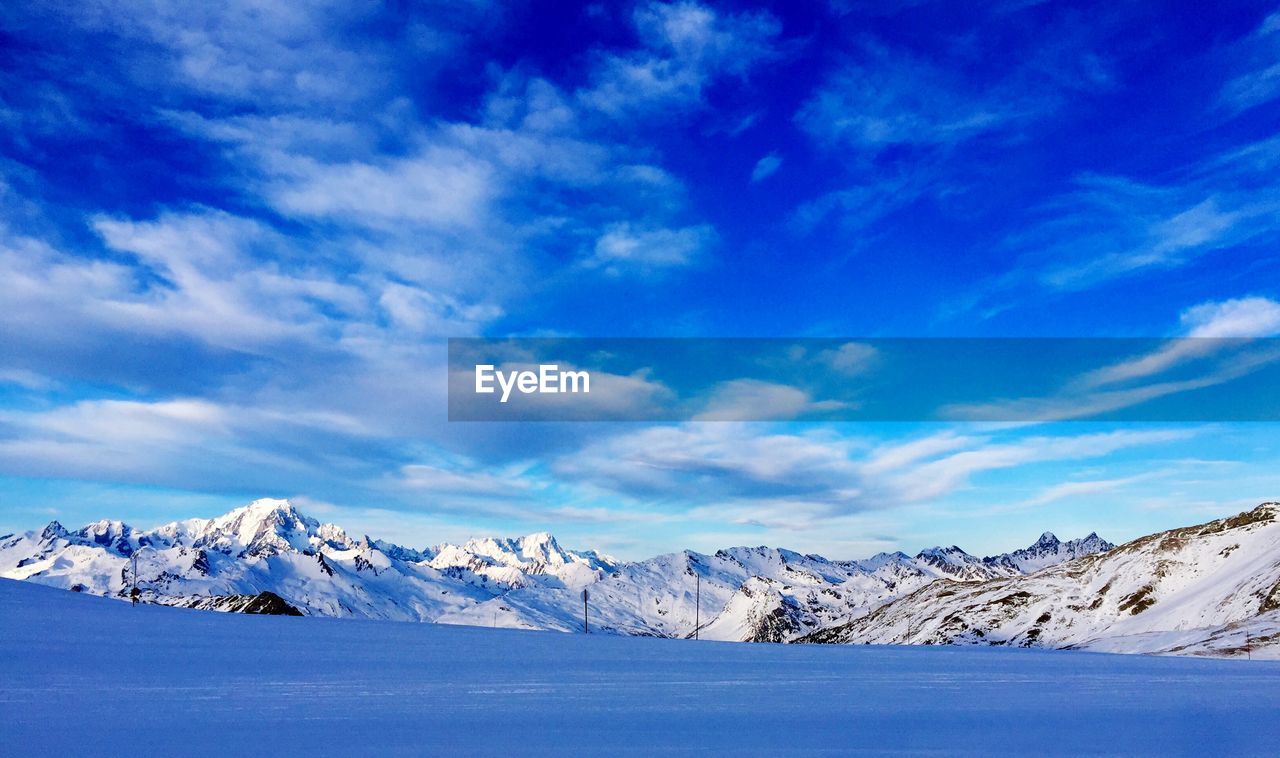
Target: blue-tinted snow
{"points": [[84, 675]]}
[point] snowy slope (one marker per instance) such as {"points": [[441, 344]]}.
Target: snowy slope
{"points": [[85, 676], [1198, 589]]}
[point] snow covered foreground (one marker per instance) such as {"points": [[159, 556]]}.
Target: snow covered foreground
{"points": [[83, 675]]}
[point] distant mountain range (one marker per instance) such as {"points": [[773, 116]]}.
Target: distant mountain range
{"points": [[1176, 591]]}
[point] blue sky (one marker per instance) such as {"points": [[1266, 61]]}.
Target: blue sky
{"points": [[233, 242]]}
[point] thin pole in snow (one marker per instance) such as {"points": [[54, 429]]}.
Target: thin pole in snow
{"points": [[697, 604], [585, 628]]}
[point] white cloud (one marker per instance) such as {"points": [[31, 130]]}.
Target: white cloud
{"points": [[851, 358], [189, 442], [859, 205], [211, 285], [125, 422], [623, 248], [273, 55], [442, 187], [1226, 320], [766, 167], [1242, 317], [1204, 324], [470, 207], [755, 400], [382, 231]]}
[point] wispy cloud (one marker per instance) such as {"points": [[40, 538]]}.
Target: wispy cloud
{"points": [[1139, 227], [905, 125], [1205, 325], [181, 442], [752, 466], [1111, 228], [935, 478], [456, 480], [358, 229], [1218, 342], [685, 47], [886, 98], [1259, 82], [1085, 488]]}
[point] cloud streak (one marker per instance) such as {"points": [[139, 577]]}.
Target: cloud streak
{"points": [[1219, 341], [751, 466]]}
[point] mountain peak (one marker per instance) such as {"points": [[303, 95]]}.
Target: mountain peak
{"points": [[53, 529], [952, 561], [266, 525], [276, 511], [952, 550], [1046, 551], [1270, 507], [265, 506], [538, 538], [115, 535]]}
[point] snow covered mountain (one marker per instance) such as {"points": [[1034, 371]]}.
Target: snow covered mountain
{"points": [[290, 562], [745, 594], [226, 562], [267, 557], [536, 559], [1047, 551], [1211, 588], [755, 594]]}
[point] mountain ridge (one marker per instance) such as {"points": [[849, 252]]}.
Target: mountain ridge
{"points": [[270, 555], [1211, 588]]}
